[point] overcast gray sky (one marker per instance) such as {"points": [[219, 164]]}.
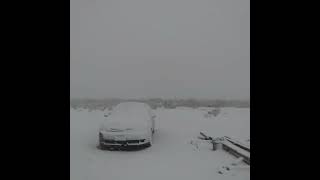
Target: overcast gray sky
{"points": [[160, 48]]}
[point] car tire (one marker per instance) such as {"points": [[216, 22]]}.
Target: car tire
{"points": [[148, 145], [101, 146]]}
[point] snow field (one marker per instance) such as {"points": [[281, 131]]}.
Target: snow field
{"points": [[176, 152]]}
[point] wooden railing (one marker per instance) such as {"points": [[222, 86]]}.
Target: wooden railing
{"points": [[231, 146]]}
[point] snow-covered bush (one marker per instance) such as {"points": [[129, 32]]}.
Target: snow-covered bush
{"points": [[215, 112]]}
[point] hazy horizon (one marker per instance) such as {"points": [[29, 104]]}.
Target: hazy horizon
{"points": [[160, 49]]}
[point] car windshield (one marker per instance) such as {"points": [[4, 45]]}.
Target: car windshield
{"points": [[130, 111]]}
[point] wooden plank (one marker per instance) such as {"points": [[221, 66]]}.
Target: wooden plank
{"points": [[236, 151], [231, 146], [205, 137], [237, 143]]}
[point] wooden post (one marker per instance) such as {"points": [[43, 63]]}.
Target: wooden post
{"points": [[214, 145]]}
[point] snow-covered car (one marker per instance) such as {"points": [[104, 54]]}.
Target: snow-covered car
{"points": [[130, 124]]}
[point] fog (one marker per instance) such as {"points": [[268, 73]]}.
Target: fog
{"points": [[160, 48]]}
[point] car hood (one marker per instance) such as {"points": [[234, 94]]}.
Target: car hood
{"points": [[123, 126]]}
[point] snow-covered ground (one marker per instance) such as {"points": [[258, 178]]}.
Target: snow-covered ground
{"points": [[176, 152]]}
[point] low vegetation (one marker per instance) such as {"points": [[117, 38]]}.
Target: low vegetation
{"points": [[102, 104]]}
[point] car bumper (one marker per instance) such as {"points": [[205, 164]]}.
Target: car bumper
{"points": [[123, 140], [123, 147]]}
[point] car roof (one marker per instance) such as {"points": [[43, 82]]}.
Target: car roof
{"points": [[130, 111]]}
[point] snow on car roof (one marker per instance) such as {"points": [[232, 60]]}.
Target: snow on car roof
{"points": [[130, 112]]}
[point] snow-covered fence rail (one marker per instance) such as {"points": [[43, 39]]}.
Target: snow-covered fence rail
{"points": [[237, 143], [231, 146], [236, 151]]}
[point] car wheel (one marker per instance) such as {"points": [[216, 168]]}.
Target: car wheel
{"points": [[101, 146], [148, 145]]}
